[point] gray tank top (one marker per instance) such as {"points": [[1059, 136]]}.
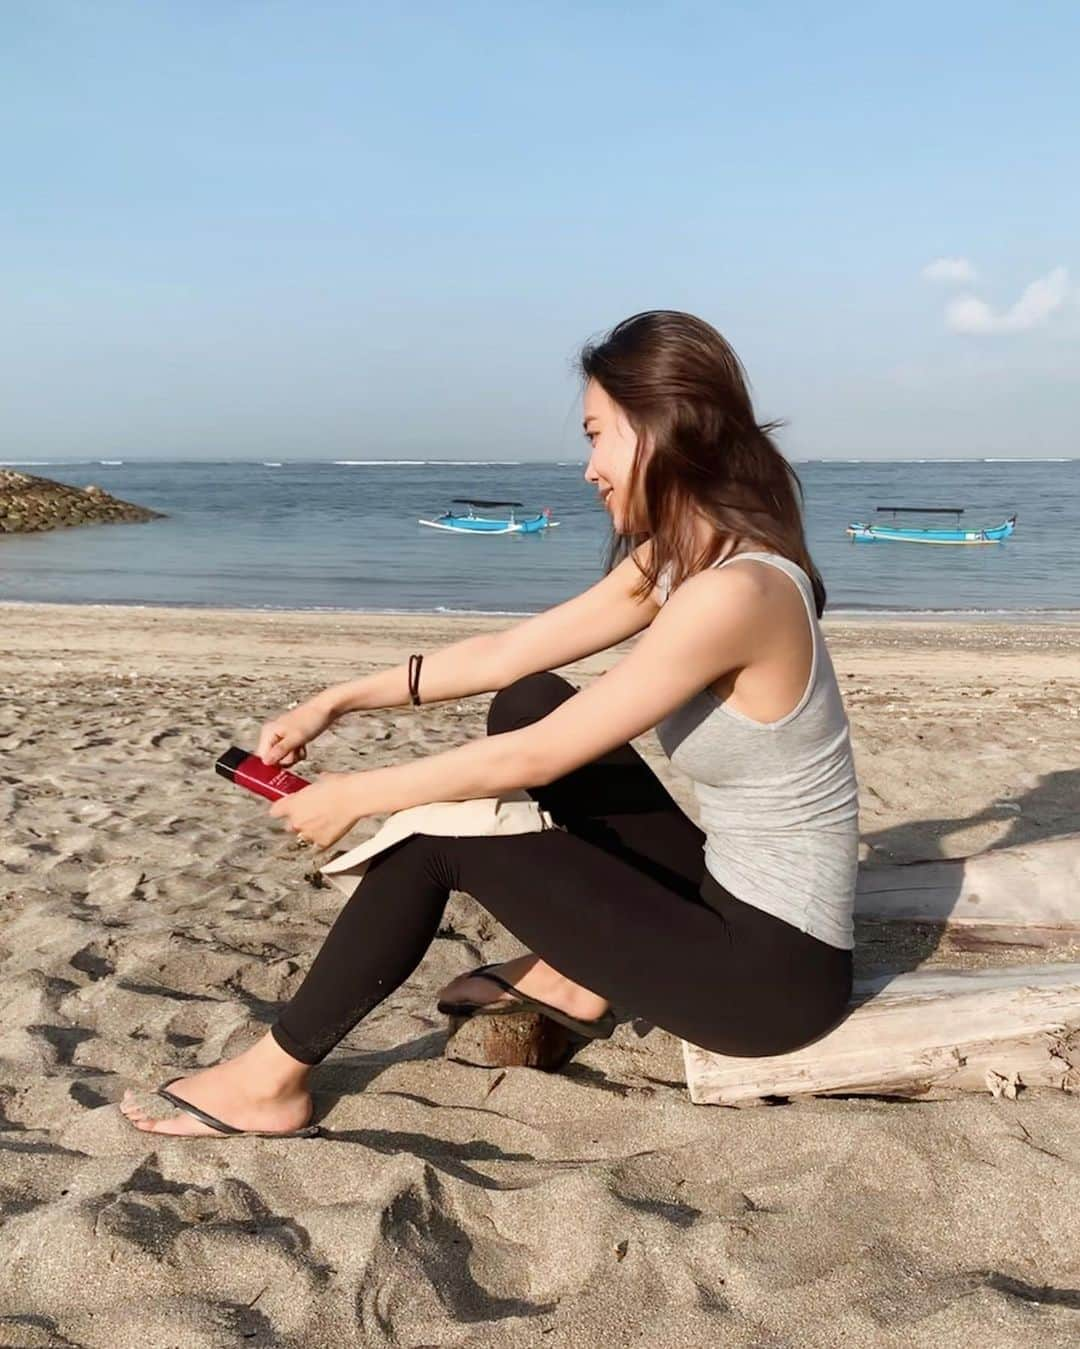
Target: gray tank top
{"points": [[778, 800]]}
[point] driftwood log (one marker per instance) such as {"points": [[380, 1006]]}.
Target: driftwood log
{"points": [[935, 1031], [1027, 895], [929, 1033]]}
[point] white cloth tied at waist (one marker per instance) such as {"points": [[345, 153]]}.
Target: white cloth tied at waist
{"points": [[513, 812]]}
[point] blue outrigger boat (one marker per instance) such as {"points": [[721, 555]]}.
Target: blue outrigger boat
{"points": [[471, 523], [896, 533]]}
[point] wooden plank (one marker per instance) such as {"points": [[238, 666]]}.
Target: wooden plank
{"points": [[1029, 894], [928, 1033]]}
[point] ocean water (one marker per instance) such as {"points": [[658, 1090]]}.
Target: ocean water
{"points": [[344, 536]]}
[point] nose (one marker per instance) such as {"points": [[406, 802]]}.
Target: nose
{"points": [[591, 474]]}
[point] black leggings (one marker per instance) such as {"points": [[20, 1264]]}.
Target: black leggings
{"points": [[618, 900]]}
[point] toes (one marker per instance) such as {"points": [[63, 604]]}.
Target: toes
{"points": [[167, 1126], [481, 990], [152, 1126], [182, 1125], [456, 991], [130, 1108]]}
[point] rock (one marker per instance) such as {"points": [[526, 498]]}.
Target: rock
{"points": [[510, 1040], [29, 503]]}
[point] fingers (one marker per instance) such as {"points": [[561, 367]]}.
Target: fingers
{"points": [[286, 748], [280, 747], [282, 740], [268, 738], [283, 807]]}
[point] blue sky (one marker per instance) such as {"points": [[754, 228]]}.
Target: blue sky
{"points": [[240, 228]]}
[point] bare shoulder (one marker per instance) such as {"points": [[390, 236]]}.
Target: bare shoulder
{"points": [[741, 587], [746, 606], [759, 581], [715, 608]]}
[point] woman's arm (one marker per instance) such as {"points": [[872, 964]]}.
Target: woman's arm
{"points": [[453, 671], [713, 624], [603, 615]]}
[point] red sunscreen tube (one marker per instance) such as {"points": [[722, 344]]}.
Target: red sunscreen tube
{"points": [[248, 770]]}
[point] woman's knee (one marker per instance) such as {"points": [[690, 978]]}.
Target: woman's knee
{"points": [[416, 860], [526, 700]]}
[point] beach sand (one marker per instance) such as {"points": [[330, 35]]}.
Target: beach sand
{"points": [[154, 918]]}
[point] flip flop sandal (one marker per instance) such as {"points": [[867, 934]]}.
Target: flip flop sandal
{"points": [[598, 1029], [308, 1131]]}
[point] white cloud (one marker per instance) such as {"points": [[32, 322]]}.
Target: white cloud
{"points": [[949, 269], [969, 314]]}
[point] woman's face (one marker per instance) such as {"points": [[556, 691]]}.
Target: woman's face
{"points": [[613, 442]]}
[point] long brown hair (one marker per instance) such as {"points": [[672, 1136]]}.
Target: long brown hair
{"points": [[684, 390]]}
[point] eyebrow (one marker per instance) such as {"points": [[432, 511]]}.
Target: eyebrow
{"points": [[590, 418]]}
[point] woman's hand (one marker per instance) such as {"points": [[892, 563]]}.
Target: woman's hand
{"points": [[323, 812], [282, 740]]}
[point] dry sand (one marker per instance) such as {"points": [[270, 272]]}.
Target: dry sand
{"points": [[153, 918]]}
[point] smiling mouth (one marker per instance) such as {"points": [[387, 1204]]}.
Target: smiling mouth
{"points": [[604, 496]]}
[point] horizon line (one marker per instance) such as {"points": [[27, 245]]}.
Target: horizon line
{"points": [[480, 463]]}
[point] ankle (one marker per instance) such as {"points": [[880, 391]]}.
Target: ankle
{"points": [[275, 1073]]}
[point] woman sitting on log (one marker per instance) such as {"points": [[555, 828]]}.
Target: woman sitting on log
{"points": [[735, 935]]}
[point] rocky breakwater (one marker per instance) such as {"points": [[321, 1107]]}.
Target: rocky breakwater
{"points": [[28, 504]]}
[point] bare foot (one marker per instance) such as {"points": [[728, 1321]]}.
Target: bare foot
{"points": [[533, 976], [263, 1089]]}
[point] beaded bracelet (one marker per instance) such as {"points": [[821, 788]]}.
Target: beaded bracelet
{"points": [[414, 679]]}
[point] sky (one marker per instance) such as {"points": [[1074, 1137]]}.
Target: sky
{"points": [[248, 228]]}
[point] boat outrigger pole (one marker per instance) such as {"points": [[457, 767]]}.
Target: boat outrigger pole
{"points": [[923, 510], [479, 501]]}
